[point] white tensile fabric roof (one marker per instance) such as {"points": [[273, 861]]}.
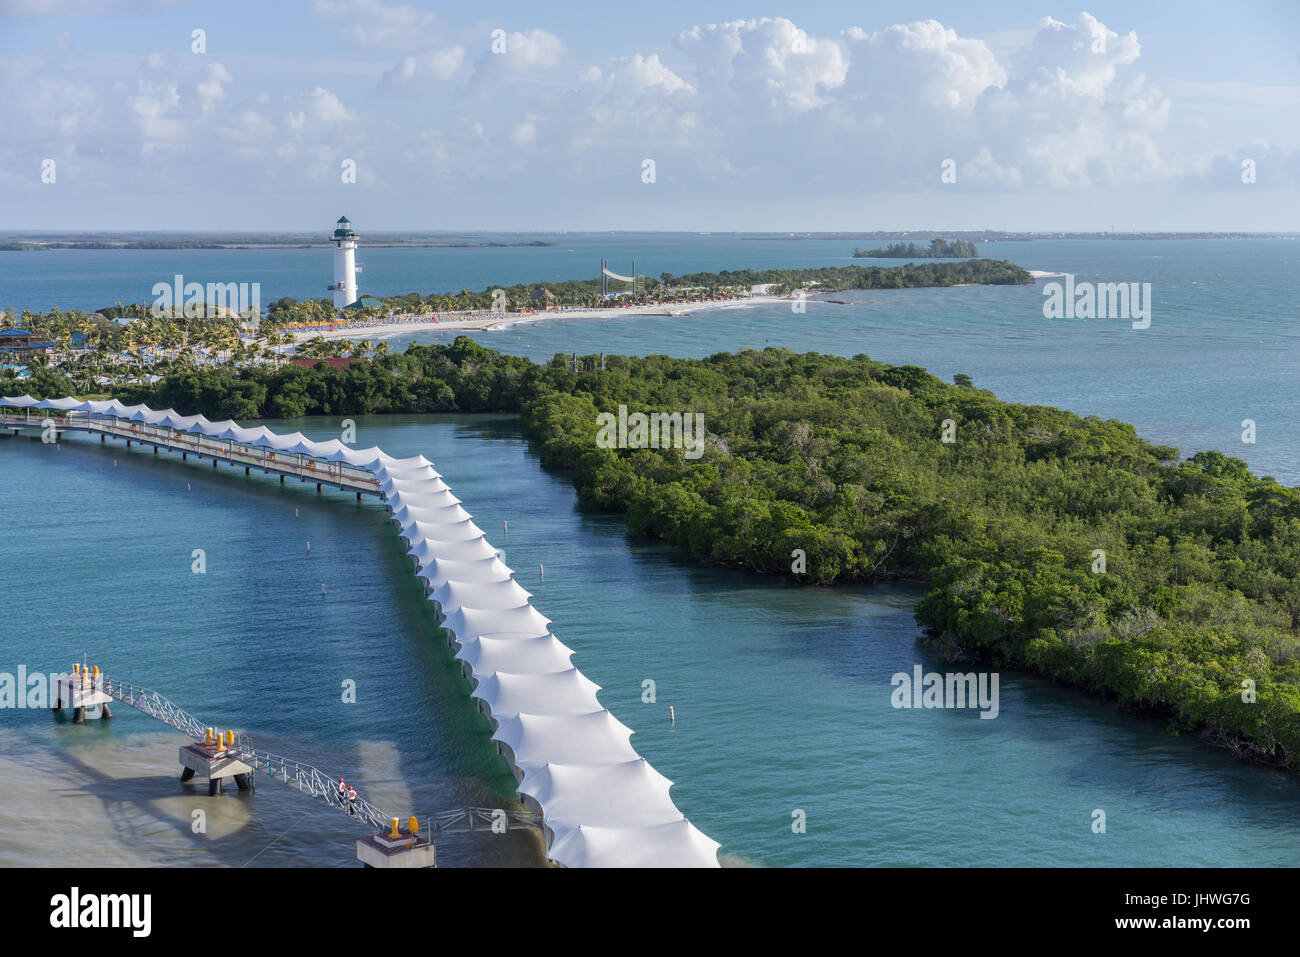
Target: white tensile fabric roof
{"points": [[426, 550], [438, 571], [452, 595], [559, 692], [442, 531], [488, 654], [680, 844], [596, 737], [601, 802]]}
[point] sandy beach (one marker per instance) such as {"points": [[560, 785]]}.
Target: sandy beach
{"points": [[479, 322], [505, 320]]}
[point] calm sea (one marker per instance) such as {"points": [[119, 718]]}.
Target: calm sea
{"points": [[781, 694]]}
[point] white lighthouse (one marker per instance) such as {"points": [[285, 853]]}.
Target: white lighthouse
{"points": [[345, 264]]}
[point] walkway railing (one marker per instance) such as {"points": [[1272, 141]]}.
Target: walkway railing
{"points": [[308, 779], [297, 464]]}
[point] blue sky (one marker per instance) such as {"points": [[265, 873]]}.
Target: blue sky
{"points": [[809, 116]]}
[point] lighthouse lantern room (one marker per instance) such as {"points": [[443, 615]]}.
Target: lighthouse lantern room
{"points": [[344, 286]]}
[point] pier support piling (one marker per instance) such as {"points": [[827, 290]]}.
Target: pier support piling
{"points": [[214, 759]]}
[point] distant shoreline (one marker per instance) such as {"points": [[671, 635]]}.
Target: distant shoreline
{"points": [[384, 330], [505, 320], [38, 240], [23, 246]]}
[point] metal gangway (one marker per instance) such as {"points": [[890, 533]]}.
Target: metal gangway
{"points": [[308, 779]]}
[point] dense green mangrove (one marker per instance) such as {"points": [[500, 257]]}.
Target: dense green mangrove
{"points": [[1050, 542]]}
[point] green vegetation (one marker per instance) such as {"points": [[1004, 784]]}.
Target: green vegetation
{"points": [[92, 351], [113, 348], [843, 459], [670, 288], [938, 249]]}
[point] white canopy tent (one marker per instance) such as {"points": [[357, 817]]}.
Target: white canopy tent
{"points": [[593, 738], [413, 486], [62, 405], [602, 794], [429, 501], [442, 531], [425, 513], [555, 692], [427, 550], [489, 654], [498, 595], [439, 571], [473, 622], [679, 844]]}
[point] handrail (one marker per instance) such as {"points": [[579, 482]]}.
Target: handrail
{"points": [[306, 778], [305, 467]]}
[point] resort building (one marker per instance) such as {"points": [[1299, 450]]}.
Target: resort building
{"points": [[20, 344]]}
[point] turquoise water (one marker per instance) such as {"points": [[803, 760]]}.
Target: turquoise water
{"points": [[781, 694]]}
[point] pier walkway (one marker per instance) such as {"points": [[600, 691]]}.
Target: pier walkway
{"points": [[600, 803], [285, 464]]}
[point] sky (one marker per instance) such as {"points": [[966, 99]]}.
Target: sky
{"points": [[672, 115]]}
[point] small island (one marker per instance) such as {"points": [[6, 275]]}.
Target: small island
{"points": [[938, 249]]}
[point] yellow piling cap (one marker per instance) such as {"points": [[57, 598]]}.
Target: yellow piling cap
{"points": [[76, 669], [207, 738], [413, 825], [96, 670], [394, 833], [230, 737]]}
